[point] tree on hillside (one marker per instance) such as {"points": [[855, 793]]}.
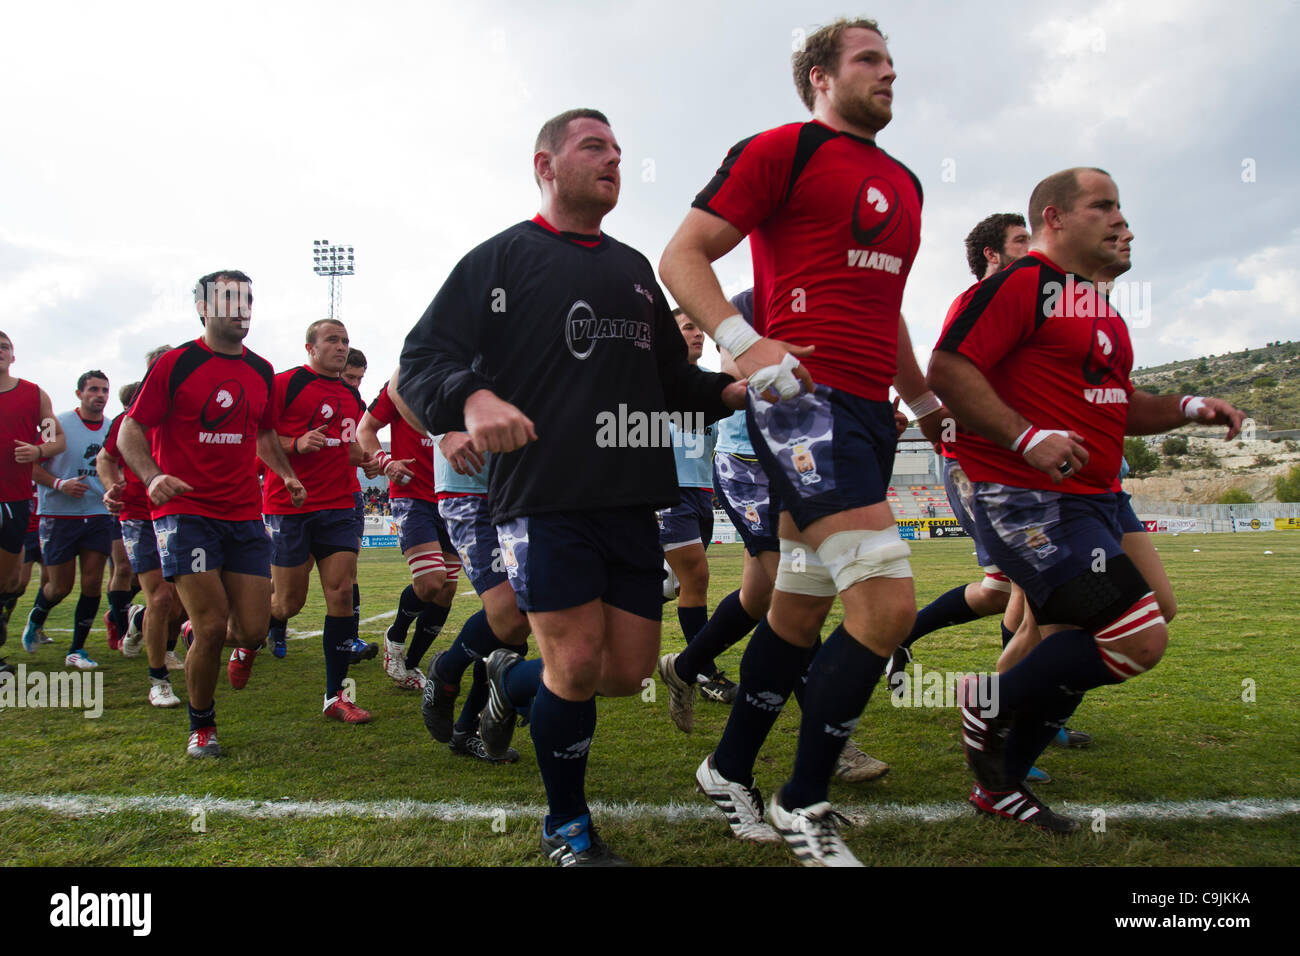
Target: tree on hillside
{"points": [[1288, 486], [1175, 445], [1236, 496], [1141, 459]]}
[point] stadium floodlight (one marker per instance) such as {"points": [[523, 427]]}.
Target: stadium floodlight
{"points": [[333, 261]]}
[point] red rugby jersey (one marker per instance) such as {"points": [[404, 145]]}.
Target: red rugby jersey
{"points": [[205, 410], [834, 223], [20, 420], [305, 401], [135, 499], [406, 443], [1059, 354]]}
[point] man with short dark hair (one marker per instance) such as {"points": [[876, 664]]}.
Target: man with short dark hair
{"points": [[556, 323], [29, 433], [833, 224], [76, 527], [1042, 442], [190, 436]]}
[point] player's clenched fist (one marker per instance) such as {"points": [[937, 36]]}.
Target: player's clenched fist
{"points": [[495, 425], [163, 488], [297, 493]]}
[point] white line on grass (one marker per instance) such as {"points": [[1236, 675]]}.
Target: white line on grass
{"points": [[79, 805]]}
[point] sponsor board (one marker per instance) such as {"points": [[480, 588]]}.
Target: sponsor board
{"points": [[1247, 524], [1171, 525], [1286, 524], [911, 529], [380, 524], [379, 541], [724, 532], [946, 528]]}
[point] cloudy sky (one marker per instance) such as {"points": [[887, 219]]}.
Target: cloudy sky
{"points": [[147, 144]]}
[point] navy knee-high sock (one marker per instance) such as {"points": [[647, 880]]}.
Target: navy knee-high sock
{"points": [[42, 607], [118, 601], [336, 640], [946, 610], [562, 731], [474, 643], [409, 607], [727, 626], [1066, 658], [87, 608], [801, 686], [1033, 729], [475, 700], [840, 680], [356, 609], [769, 671], [277, 628], [692, 620], [427, 628], [1007, 634], [522, 683]]}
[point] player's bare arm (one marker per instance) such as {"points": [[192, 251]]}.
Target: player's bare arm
{"points": [[977, 406], [1152, 414], [54, 441], [270, 451], [910, 383], [110, 476], [133, 445], [686, 268], [303, 444], [368, 440]]}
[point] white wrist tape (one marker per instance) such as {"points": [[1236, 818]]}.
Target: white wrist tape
{"points": [[778, 378], [1032, 435], [735, 335], [1191, 406], [58, 484], [923, 405]]}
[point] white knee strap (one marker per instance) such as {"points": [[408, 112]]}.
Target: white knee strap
{"points": [[995, 580], [853, 556], [801, 571]]}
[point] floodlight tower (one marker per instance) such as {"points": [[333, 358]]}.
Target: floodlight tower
{"points": [[332, 261]]}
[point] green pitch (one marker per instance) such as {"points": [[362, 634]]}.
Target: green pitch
{"points": [[1216, 721]]}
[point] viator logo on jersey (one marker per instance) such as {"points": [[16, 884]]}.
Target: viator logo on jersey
{"points": [[866, 259], [931, 688], [1106, 396], [76, 909], [73, 690], [582, 329], [220, 438], [637, 429]]}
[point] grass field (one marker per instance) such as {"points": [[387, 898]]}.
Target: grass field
{"points": [[295, 789]]}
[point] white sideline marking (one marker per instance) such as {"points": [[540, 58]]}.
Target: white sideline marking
{"points": [[77, 805]]}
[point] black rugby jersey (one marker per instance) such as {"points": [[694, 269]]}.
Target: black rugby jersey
{"points": [[578, 335]]}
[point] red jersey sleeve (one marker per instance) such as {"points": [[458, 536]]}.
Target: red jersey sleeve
{"points": [[991, 318], [382, 408], [110, 440], [752, 181]]}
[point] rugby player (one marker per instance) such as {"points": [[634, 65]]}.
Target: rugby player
{"points": [[122, 579], [421, 534], [537, 343], [207, 409], [76, 528], [362, 650], [127, 499], [745, 494], [29, 432], [1042, 444], [834, 224], [316, 416]]}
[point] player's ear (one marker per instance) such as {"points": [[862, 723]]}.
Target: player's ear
{"points": [[543, 165]]}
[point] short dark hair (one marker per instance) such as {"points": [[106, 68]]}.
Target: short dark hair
{"points": [[87, 376], [202, 287], [553, 132], [154, 355], [5, 336], [126, 394], [989, 233], [318, 324], [823, 49], [356, 359], [1059, 190]]}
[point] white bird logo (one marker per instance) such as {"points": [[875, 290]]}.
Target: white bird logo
{"points": [[1104, 343], [877, 199], [225, 399]]}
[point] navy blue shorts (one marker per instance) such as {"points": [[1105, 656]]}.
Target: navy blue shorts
{"points": [[62, 539], [746, 496], [116, 533], [1042, 539], [1129, 522], [825, 451], [689, 522], [469, 522], [418, 522], [32, 547], [568, 558], [191, 544], [312, 534], [359, 509], [960, 494], [141, 545], [13, 524]]}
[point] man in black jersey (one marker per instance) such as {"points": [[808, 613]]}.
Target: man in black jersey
{"points": [[553, 346]]}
